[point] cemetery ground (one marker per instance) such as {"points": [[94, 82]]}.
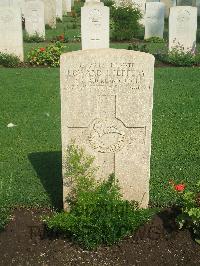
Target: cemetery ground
{"points": [[30, 163], [31, 171]]}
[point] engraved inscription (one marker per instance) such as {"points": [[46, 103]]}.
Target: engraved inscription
{"points": [[103, 77], [6, 18], [107, 135]]}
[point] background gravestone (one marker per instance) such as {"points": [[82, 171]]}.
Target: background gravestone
{"points": [[59, 9], [106, 103], [140, 4], [11, 40], [168, 5], [94, 25], [50, 13], [183, 28], [34, 17], [154, 20]]}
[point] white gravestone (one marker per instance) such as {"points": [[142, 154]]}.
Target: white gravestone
{"points": [[140, 4], [94, 25], [34, 18], [68, 5], [183, 28], [59, 9], [154, 20], [168, 5], [198, 6], [106, 103], [50, 13], [11, 40]]}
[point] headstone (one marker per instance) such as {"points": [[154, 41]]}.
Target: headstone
{"points": [[68, 5], [106, 102], [168, 5], [198, 6], [140, 4], [11, 40], [94, 25], [59, 10], [183, 28], [154, 20], [34, 17], [50, 13]]}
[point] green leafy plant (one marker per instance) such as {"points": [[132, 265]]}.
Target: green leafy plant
{"points": [[9, 60], [124, 22], [138, 47], [4, 217], [178, 57], [48, 27], [58, 20], [33, 38], [46, 56], [98, 214], [190, 211], [155, 40]]}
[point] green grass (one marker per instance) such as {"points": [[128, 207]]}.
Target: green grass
{"points": [[31, 152]]}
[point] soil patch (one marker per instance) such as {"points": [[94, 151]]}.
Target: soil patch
{"points": [[25, 242]]}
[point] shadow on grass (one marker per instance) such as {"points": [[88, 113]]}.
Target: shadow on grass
{"points": [[48, 166]]}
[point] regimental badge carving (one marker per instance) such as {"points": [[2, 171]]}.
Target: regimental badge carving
{"points": [[107, 135]]}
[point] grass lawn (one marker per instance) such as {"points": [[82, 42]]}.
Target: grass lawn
{"points": [[30, 156]]}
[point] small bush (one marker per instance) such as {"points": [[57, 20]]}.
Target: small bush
{"points": [[49, 56], [124, 23], [4, 217], [98, 214], [190, 216], [9, 60], [48, 27], [58, 20], [178, 57], [155, 40], [33, 38], [138, 47]]}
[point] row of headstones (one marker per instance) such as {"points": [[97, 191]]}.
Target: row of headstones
{"points": [[182, 25], [37, 14], [140, 4]]}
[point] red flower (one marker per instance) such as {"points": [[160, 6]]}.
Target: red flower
{"points": [[62, 37], [42, 49], [179, 187]]}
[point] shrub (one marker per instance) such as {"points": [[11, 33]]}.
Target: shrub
{"points": [[124, 23], [190, 211], [4, 217], [33, 38], [178, 57], [58, 20], [155, 40], [48, 27], [98, 214], [138, 47], [49, 56], [9, 60]]}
